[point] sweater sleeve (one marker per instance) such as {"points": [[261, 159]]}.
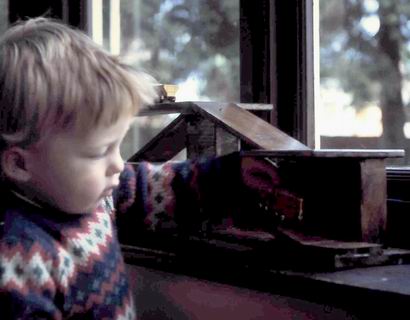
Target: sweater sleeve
{"points": [[27, 289], [185, 196]]}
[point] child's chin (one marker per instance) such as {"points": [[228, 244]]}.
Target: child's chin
{"points": [[90, 208]]}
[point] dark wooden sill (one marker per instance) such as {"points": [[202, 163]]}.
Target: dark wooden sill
{"points": [[167, 295]]}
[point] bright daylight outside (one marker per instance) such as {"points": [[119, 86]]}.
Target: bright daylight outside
{"points": [[364, 74]]}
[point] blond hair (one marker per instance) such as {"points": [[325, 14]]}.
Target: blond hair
{"points": [[53, 77]]}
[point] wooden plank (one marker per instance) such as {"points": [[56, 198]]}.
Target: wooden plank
{"points": [[255, 106], [359, 153], [373, 202], [188, 107], [339, 153], [278, 153], [248, 127], [166, 108], [319, 242]]}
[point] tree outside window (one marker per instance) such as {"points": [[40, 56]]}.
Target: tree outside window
{"points": [[365, 74]]}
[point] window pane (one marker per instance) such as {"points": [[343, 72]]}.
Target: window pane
{"points": [[194, 44], [364, 74]]}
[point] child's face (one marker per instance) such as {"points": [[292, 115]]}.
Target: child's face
{"points": [[74, 171]]}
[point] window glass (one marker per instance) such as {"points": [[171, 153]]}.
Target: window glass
{"points": [[3, 15], [364, 74], [192, 44]]}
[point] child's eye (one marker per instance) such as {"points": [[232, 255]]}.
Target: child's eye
{"points": [[105, 151], [99, 154]]}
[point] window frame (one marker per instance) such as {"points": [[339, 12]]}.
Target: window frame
{"points": [[283, 73]]}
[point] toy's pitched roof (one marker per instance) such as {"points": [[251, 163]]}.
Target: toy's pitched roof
{"points": [[233, 118]]}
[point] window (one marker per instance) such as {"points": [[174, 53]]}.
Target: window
{"points": [[364, 75], [193, 44]]}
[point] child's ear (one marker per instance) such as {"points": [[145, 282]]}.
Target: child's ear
{"points": [[13, 162]]}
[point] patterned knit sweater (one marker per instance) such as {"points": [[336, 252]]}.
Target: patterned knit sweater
{"points": [[55, 265]]}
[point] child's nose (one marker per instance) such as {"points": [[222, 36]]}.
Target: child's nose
{"points": [[116, 164]]}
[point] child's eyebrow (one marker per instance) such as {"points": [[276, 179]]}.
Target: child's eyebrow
{"points": [[109, 142]]}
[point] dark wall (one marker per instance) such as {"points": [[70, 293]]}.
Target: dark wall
{"points": [[72, 12]]}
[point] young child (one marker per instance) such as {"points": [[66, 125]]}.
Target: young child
{"points": [[65, 107]]}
